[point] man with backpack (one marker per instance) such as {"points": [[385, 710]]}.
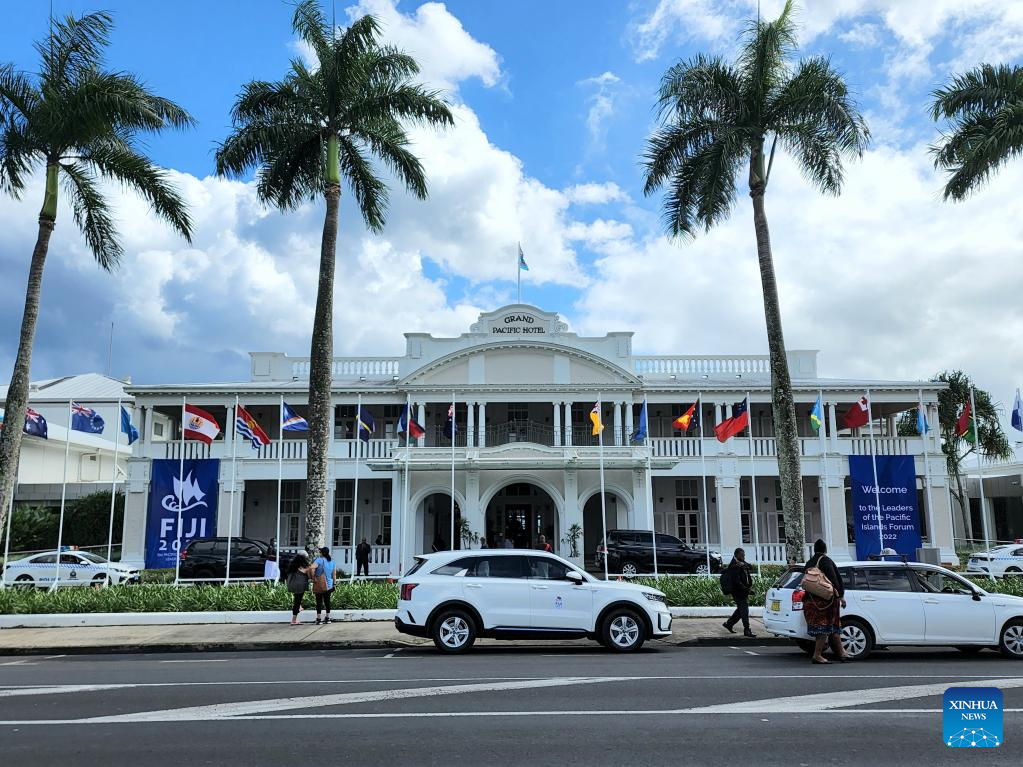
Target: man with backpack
{"points": [[737, 580]]}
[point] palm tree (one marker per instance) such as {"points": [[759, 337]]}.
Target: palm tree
{"points": [[82, 124], [984, 109], [303, 134], [716, 117]]}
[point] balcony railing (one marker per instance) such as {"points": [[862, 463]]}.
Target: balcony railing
{"points": [[702, 365]]}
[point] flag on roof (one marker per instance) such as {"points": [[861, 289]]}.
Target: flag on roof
{"points": [[641, 432], [127, 427], [598, 427], [1017, 414], [200, 425], [85, 419], [522, 260], [817, 415], [732, 426], [365, 422], [858, 415], [922, 427], [249, 428], [408, 424], [292, 421], [686, 420], [35, 424], [966, 426]]}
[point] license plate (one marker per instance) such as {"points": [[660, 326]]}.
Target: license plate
{"points": [[775, 605]]}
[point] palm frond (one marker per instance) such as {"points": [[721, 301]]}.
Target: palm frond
{"points": [[369, 191], [92, 214], [701, 87], [74, 45], [312, 27], [763, 58], [18, 102], [389, 142], [293, 174], [984, 89]]}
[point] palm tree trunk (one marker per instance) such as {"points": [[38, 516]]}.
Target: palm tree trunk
{"points": [[964, 507], [17, 392], [321, 358], [783, 407]]}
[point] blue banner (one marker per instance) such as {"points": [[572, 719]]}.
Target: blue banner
{"points": [[900, 512], [198, 493]]}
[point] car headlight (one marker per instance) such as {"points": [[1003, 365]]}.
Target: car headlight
{"points": [[653, 597]]}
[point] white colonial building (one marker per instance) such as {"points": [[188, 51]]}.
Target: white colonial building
{"points": [[525, 462]]}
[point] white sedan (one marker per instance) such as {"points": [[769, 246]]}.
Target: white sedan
{"points": [[76, 568], [999, 561], [891, 603]]}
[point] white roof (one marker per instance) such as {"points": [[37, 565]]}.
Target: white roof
{"points": [[85, 388]]}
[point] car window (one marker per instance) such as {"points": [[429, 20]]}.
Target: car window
{"points": [[244, 550], [789, 579], [889, 579], [70, 559], [499, 567], [667, 540], [1018, 553], [44, 559], [943, 583], [94, 558], [854, 578], [547, 569], [200, 547], [458, 567]]}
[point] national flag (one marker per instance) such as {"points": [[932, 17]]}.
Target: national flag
{"points": [[35, 424], [858, 415], [598, 427], [686, 420], [450, 429], [249, 428], [732, 426], [366, 425], [522, 260], [127, 427], [641, 432], [1, 419], [1017, 414], [922, 427], [966, 426], [817, 415], [85, 419], [408, 423], [200, 425], [292, 421]]}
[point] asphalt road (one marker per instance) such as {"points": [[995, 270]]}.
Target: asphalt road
{"points": [[747, 704]]}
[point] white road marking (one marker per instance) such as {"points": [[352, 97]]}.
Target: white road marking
{"points": [[55, 690], [750, 652], [200, 660], [19, 663], [392, 654]]}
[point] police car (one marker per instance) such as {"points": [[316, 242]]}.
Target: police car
{"points": [[77, 568], [1004, 560]]}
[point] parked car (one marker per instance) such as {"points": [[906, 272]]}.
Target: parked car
{"points": [[998, 561], [77, 568], [206, 559], [631, 552], [891, 603], [455, 597]]}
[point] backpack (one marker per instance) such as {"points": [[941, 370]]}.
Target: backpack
{"points": [[298, 583], [727, 581], [816, 583]]}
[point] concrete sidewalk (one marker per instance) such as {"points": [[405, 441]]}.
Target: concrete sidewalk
{"points": [[307, 636]]}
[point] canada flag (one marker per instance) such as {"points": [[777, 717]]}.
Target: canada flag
{"points": [[200, 425], [858, 415]]}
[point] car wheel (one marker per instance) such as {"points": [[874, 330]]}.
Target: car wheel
{"points": [[454, 632], [1014, 571], [623, 631], [1011, 643], [806, 645], [25, 582], [702, 569], [969, 649], [100, 581], [857, 641], [630, 569]]}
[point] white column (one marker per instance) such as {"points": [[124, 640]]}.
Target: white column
{"points": [[832, 427], [557, 424], [568, 424], [470, 424], [397, 499], [483, 425], [421, 418], [473, 513], [617, 416], [729, 522], [573, 516]]}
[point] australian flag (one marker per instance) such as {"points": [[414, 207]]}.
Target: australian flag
{"points": [[85, 419], [35, 424]]}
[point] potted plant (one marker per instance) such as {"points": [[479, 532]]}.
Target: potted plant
{"points": [[466, 533], [572, 539]]}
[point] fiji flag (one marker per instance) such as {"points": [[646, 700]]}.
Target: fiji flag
{"points": [[922, 426], [85, 419], [35, 424], [292, 421], [1017, 414], [365, 421], [127, 427], [522, 260], [640, 434]]}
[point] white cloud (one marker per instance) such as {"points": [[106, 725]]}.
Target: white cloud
{"points": [[862, 35], [681, 21], [602, 106], [596, 194]]}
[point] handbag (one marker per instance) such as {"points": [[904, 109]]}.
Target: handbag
{"points": [[816, 583], [320, 580], [298, 582]]}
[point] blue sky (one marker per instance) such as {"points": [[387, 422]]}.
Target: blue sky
{"points": [[554, 102]]}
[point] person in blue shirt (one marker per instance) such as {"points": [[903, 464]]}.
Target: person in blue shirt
{"points": [[323, 566]]}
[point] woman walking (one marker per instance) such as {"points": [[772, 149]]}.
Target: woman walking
{"points": [[298, 583], [823, 620], [323, 584]]}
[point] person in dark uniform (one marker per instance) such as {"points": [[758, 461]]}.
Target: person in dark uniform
{"points": [[741, 575], [362, 552]]}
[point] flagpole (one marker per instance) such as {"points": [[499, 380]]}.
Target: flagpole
{"points": [[873, 460], [927, 469], [63, 496], [753, 483], [825, 496], [181, 488], [980, 476], [280, 480], [518, 271], [234, 475], [113, 481], [703, 476], [452, 542], [650, 482], [404, 499], [603, 499], [355, 491]]}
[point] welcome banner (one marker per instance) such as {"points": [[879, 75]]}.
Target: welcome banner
{"points": [[198, 492], [900, 513]]}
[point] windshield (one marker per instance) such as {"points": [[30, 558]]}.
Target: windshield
{"points": [[95, 558], [939, 582]]}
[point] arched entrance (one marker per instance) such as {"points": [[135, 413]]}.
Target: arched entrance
{"points": [[437, 523], [521, 513], [593, 531]]}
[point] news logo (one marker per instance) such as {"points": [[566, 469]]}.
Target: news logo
{"points": [[973, 717]]}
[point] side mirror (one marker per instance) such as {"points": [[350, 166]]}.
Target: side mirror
{"points": [[574, 578], [976, 596]]}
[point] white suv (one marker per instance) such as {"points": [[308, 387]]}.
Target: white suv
{"points": [[454, 597], [891, 603]]}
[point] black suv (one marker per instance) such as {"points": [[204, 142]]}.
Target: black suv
{"points": [[630, 552], [207, 558]]}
